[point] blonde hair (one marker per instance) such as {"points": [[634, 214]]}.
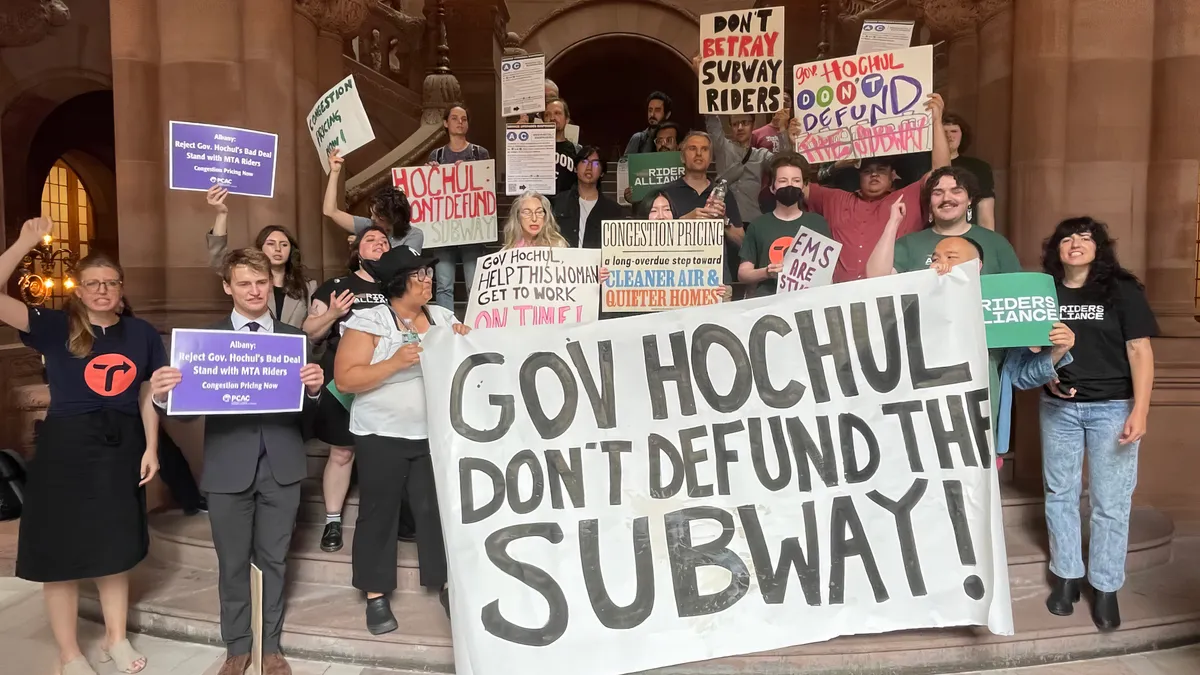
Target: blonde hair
{"points": [[547, 236], [80, 338]]}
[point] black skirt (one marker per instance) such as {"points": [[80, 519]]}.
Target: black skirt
{"points": [[84, 515]]}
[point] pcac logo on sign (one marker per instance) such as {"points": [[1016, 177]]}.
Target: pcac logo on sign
{"points": [[235, 398]]}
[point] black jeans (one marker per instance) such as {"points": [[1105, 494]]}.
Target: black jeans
{"points": [[389, 469]]}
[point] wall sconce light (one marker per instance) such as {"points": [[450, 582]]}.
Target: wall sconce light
{"points": [[41, 266]]}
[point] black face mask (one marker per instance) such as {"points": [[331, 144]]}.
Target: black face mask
{"points": [[789, 195]]}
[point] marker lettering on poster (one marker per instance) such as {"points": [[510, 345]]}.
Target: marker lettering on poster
{"points": [[808, 262], [535, 286], [869, 105], [719, 455], [452, 203], [741, 67]]}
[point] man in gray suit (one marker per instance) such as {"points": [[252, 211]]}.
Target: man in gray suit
{"points": [[253, 465]]}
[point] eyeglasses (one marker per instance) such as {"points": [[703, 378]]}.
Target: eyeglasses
{"points": [[94, 285], [533, 214], [594, 163], [423, 274]]}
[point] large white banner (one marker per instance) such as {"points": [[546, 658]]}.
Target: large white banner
{"points": [[667, 488]]}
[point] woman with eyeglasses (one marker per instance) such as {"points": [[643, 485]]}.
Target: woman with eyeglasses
{"points": [[293, 289], [379, 361], [85, 510], [531, 222]]}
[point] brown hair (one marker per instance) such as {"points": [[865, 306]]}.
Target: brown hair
{"points": [[253, 258], [80, 338], [295, 278]]}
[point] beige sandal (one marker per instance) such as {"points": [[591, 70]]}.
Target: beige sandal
{"points": [[124, 656], [78, 666]]}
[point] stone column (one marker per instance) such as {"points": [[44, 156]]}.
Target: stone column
{"points": [[476, 44], [310, 179], [993, 115], [268, 70], [1174, 169], [200, 80], [330, 71], [963, 82], [139, 134], [1108, 120], [1041, 44]]}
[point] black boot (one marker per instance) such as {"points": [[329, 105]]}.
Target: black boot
{"points": [[331, 538], [1064, 593], [1105, 613], [380, 619], [444, 598]]}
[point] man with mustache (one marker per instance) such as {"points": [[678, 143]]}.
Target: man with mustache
{"points": [[948, 193], [658, 110]]}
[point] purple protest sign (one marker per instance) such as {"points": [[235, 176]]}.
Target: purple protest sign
{"points": [[239, 160], [229, 372]]}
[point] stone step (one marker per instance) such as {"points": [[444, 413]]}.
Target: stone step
{"points": [[178, 540], [1160, 608]]}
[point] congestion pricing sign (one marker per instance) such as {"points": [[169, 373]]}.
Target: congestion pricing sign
{"points": [[452, 203], [871, 105], [741, 62]]}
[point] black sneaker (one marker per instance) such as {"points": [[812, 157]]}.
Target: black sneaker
{"points": [[406, 535], [380, 619], [444, 598], [331, 538], [202, 505]]}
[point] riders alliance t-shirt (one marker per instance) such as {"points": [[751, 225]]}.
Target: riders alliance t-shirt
{"points": [[1100, 370]]}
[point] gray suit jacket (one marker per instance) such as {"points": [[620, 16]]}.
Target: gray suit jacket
{"points": [[294, 310], [232, 442]]}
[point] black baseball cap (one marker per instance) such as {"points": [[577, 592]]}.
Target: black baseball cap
{"points": [[400, 260]]}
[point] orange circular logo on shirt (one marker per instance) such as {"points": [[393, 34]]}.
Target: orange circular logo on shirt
{"points": [[109, 374], [778, 248]]}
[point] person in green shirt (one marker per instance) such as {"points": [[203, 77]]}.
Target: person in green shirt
{"points": [[769, 235], [948, 194]]}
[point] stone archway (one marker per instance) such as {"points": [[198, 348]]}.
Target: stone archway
{"points": [[607, 55]]}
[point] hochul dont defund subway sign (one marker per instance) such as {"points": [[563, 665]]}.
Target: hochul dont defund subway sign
{"points": [[718, 480]]}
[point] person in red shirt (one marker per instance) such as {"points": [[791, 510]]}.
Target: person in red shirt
{"points": [[857, 219], [768, 135]]}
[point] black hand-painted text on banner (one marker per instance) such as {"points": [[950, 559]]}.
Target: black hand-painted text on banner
{"points": [[757, 474]]}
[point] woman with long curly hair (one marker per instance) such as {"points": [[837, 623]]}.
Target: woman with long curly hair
{"points": [[293, 289], [531, 222], [85, 509], [1100, 402]]}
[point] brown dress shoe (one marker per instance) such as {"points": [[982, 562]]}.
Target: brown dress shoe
{"points": [[275, 664], [235, 665]]}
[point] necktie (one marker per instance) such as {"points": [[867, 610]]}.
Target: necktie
{"points": [[253, 326]]}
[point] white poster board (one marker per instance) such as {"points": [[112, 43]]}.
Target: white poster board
{"points": [[529, 149], [339, 120], [741, 61], [522, 85], [674, 487], [881, 36], [871, 105], [662, 264], [808, 262], [453, 204], [535, 286]]}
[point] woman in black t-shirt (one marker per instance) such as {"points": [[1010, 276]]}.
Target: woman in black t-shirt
{"points": [[85, 510], [1100, 403], [331, 305]]}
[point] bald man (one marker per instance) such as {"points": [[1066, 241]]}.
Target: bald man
{"points": [[1020, 367]]}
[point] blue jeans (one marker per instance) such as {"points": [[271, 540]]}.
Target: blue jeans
{"points": [[1067, 428], [443, 272]]}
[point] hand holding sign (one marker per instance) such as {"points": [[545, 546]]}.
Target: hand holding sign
{"points": [[163, 381], [1062, 339], [216, 198], [335, 161], [935, 105]]}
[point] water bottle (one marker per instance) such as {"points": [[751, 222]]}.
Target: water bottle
{"points": [[718, 191]]}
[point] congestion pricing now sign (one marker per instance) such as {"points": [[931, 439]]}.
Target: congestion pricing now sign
{"points": [[870, 105]]}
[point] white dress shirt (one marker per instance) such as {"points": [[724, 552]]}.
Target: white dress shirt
{"points": [[241, 323]]}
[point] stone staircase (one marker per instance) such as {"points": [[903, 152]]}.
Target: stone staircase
{"points": [[175, 596]]}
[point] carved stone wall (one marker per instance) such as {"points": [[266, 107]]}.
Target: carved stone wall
{"points": [[25, 22]]}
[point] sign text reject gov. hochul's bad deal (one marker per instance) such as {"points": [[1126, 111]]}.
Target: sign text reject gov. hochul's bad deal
{"points": [[229, 372]]}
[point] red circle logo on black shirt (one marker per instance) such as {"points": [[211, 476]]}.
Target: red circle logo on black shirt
{"points": [[109, 374]]}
